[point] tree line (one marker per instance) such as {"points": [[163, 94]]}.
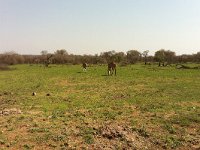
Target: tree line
{"points": [[162, 57]]}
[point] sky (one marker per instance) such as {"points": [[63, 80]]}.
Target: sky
{"points": [[94, 26]]}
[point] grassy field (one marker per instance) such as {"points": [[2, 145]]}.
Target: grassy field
{"points": [[143, 107]]}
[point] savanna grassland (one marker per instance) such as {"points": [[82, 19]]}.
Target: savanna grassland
{"points": [[143, 107]]}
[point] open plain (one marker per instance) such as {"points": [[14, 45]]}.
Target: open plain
{"points": [[142, 107]]}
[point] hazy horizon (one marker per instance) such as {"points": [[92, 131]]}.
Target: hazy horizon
{"points": [[91, 27]]}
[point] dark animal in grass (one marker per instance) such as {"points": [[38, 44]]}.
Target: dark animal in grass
{"points": [[112, 68], [84, 65], [33, 94], [48, 60]]}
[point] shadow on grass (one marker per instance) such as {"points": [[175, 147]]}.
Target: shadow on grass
{"points": [[104, 75], [4, 67], [80, 72]]}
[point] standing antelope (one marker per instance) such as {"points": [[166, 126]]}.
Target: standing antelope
{"points": [[111, 68]]}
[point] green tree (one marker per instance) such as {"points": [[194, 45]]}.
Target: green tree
{"points": [[170, 56], [145, 55], [119, 57], [60, 56], [163, 56], [160, 57], [133, 56], [108, 56], [61, 52]]}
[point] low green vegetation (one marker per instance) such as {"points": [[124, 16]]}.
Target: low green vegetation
{"points": [[144, 106]]}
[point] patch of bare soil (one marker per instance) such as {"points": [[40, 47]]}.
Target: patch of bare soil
{"points": [[113, 136], [62, 83], [35, 112], [191, 104], [11, 111]]}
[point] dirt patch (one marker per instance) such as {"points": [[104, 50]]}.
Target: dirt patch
{"points": [[62, 83], [168, 115], [121, 96], [35, 112], [115, 134], [192, 104], [11, 111]]}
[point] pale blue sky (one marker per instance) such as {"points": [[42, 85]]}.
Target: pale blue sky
{"points": [[93, 26]]}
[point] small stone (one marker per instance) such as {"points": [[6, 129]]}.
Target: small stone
{"points": [[6, 113], [50, 117], [33, 94]]}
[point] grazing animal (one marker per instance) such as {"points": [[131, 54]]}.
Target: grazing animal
{"points": [[111, 68], [33, 94], [48, 60], [84, 65]]}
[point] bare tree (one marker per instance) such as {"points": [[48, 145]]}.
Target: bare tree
{"points": [[61, 56], [11, 58], [44, 52], [197, 57]]}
